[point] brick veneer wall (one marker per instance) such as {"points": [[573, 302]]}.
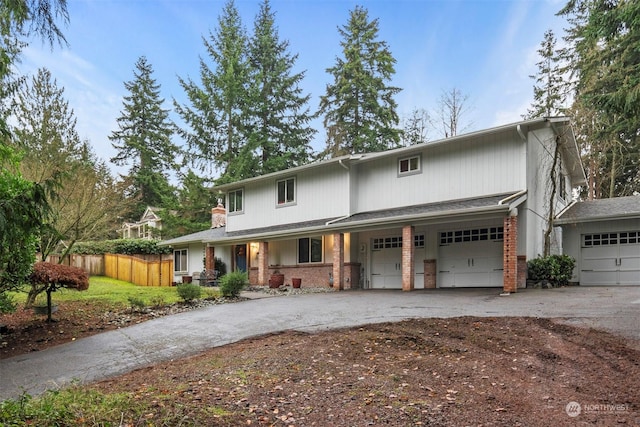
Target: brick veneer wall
{"points": [[510, 247], [316, 275], [430, 273]]}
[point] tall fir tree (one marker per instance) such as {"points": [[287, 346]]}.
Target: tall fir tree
{"points": [[550, 88], [359, 107], [216, 114], [278, 129], [143, 140], [603, 39]]}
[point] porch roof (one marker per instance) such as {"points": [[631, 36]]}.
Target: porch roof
{"points": [[493, 204], [601, 210]]}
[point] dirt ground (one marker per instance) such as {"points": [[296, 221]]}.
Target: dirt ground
{"points": [[437, 372]]}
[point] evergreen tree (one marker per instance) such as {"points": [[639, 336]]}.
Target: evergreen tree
{"points": [[603, 40], [359, 107], [278, 115], [193, 210], [143, 139], [216, 116], [549, 87]]}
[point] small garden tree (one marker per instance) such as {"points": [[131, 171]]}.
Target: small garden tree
{"points": [[48, 277]]}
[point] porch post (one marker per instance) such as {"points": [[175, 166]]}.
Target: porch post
{"points": [[338, 261], [408, 250], [263, 264], [510, 253], [209, 258]]}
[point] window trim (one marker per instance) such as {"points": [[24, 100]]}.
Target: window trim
{"points": [[238, 211], [186, 257], [310, 261], [409, 171], [285, 202]]}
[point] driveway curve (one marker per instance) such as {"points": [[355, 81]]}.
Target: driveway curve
{"points": [[616, 309]]}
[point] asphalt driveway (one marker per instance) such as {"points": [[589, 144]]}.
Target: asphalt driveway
{"points": [[616, 309]]}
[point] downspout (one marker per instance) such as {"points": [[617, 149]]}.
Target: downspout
{"points": [[521, 133], [342, 217]]}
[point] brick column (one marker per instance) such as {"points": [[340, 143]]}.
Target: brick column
{"points": [[263, 263], [408, 267], [510, 254], [430, 273], [209, 258], [338, 261]]}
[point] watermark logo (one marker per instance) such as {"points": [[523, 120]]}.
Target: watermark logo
{"points": [[573, 409]]}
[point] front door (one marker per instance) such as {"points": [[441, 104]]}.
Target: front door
{"points": [[241, 258]]}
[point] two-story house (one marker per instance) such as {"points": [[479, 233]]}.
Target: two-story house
{"points": [[148, 227], [463, 211]]}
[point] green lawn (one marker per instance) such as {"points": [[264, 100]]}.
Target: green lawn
{"points": [[108, 290]]}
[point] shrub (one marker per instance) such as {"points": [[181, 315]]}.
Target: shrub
{"points": [[232, 283], [158, 301], [220, 266], [121, 246], [136, 302], [556, 269], [189, 291], [7, 303]]}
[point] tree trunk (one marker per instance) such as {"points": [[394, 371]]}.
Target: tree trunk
{"points": [[552, 198]]}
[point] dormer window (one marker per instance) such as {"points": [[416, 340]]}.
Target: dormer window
{"points": [[409, 165], [286, 189]]}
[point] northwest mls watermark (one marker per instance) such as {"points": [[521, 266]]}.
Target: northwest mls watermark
{"points": [[573, 409]]}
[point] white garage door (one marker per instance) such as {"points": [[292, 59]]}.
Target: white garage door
{"points": [[610, 258], [471, 258], [386, 262]]}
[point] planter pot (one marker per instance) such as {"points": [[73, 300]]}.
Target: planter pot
{"points": [[187, 279], [277, 280], [296, 282], [42, 309]]}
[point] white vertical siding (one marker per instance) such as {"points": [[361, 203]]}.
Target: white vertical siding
{"points": [[482, 166], [320, 193]]}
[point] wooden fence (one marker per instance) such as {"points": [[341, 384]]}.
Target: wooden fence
{"points": [[143, 272], [92, 264]]}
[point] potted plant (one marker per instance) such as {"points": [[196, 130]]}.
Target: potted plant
{"points": [[296, 282], [276, 280]]}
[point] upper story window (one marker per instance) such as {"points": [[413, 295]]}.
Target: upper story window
{"points": [[286, 189], [236, 201], [409, 165], [562, 186]]}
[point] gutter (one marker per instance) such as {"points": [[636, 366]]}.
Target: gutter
{"points": [[511, 197]]}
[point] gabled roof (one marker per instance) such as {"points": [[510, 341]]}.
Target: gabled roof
{"points": [[601, 210], [569, 145]]}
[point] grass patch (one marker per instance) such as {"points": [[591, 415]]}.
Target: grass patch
{"points": [[114, 292]]}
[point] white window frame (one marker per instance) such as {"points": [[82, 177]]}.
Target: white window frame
{"points": [[293, 189], [183, 253], [412, 168], [230, 205]]}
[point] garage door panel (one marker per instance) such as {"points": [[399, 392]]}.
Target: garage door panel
{"points": [[611, 258], [475, 263]]}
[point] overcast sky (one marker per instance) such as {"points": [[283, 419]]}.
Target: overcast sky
{"points": [[485, 48]]}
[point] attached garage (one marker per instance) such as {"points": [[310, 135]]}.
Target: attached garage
{"points": [[604, 238], [610, 258], [471, 258], [386, 262]]}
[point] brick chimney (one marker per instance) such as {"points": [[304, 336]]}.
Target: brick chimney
{"points": [[218, 216]]}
